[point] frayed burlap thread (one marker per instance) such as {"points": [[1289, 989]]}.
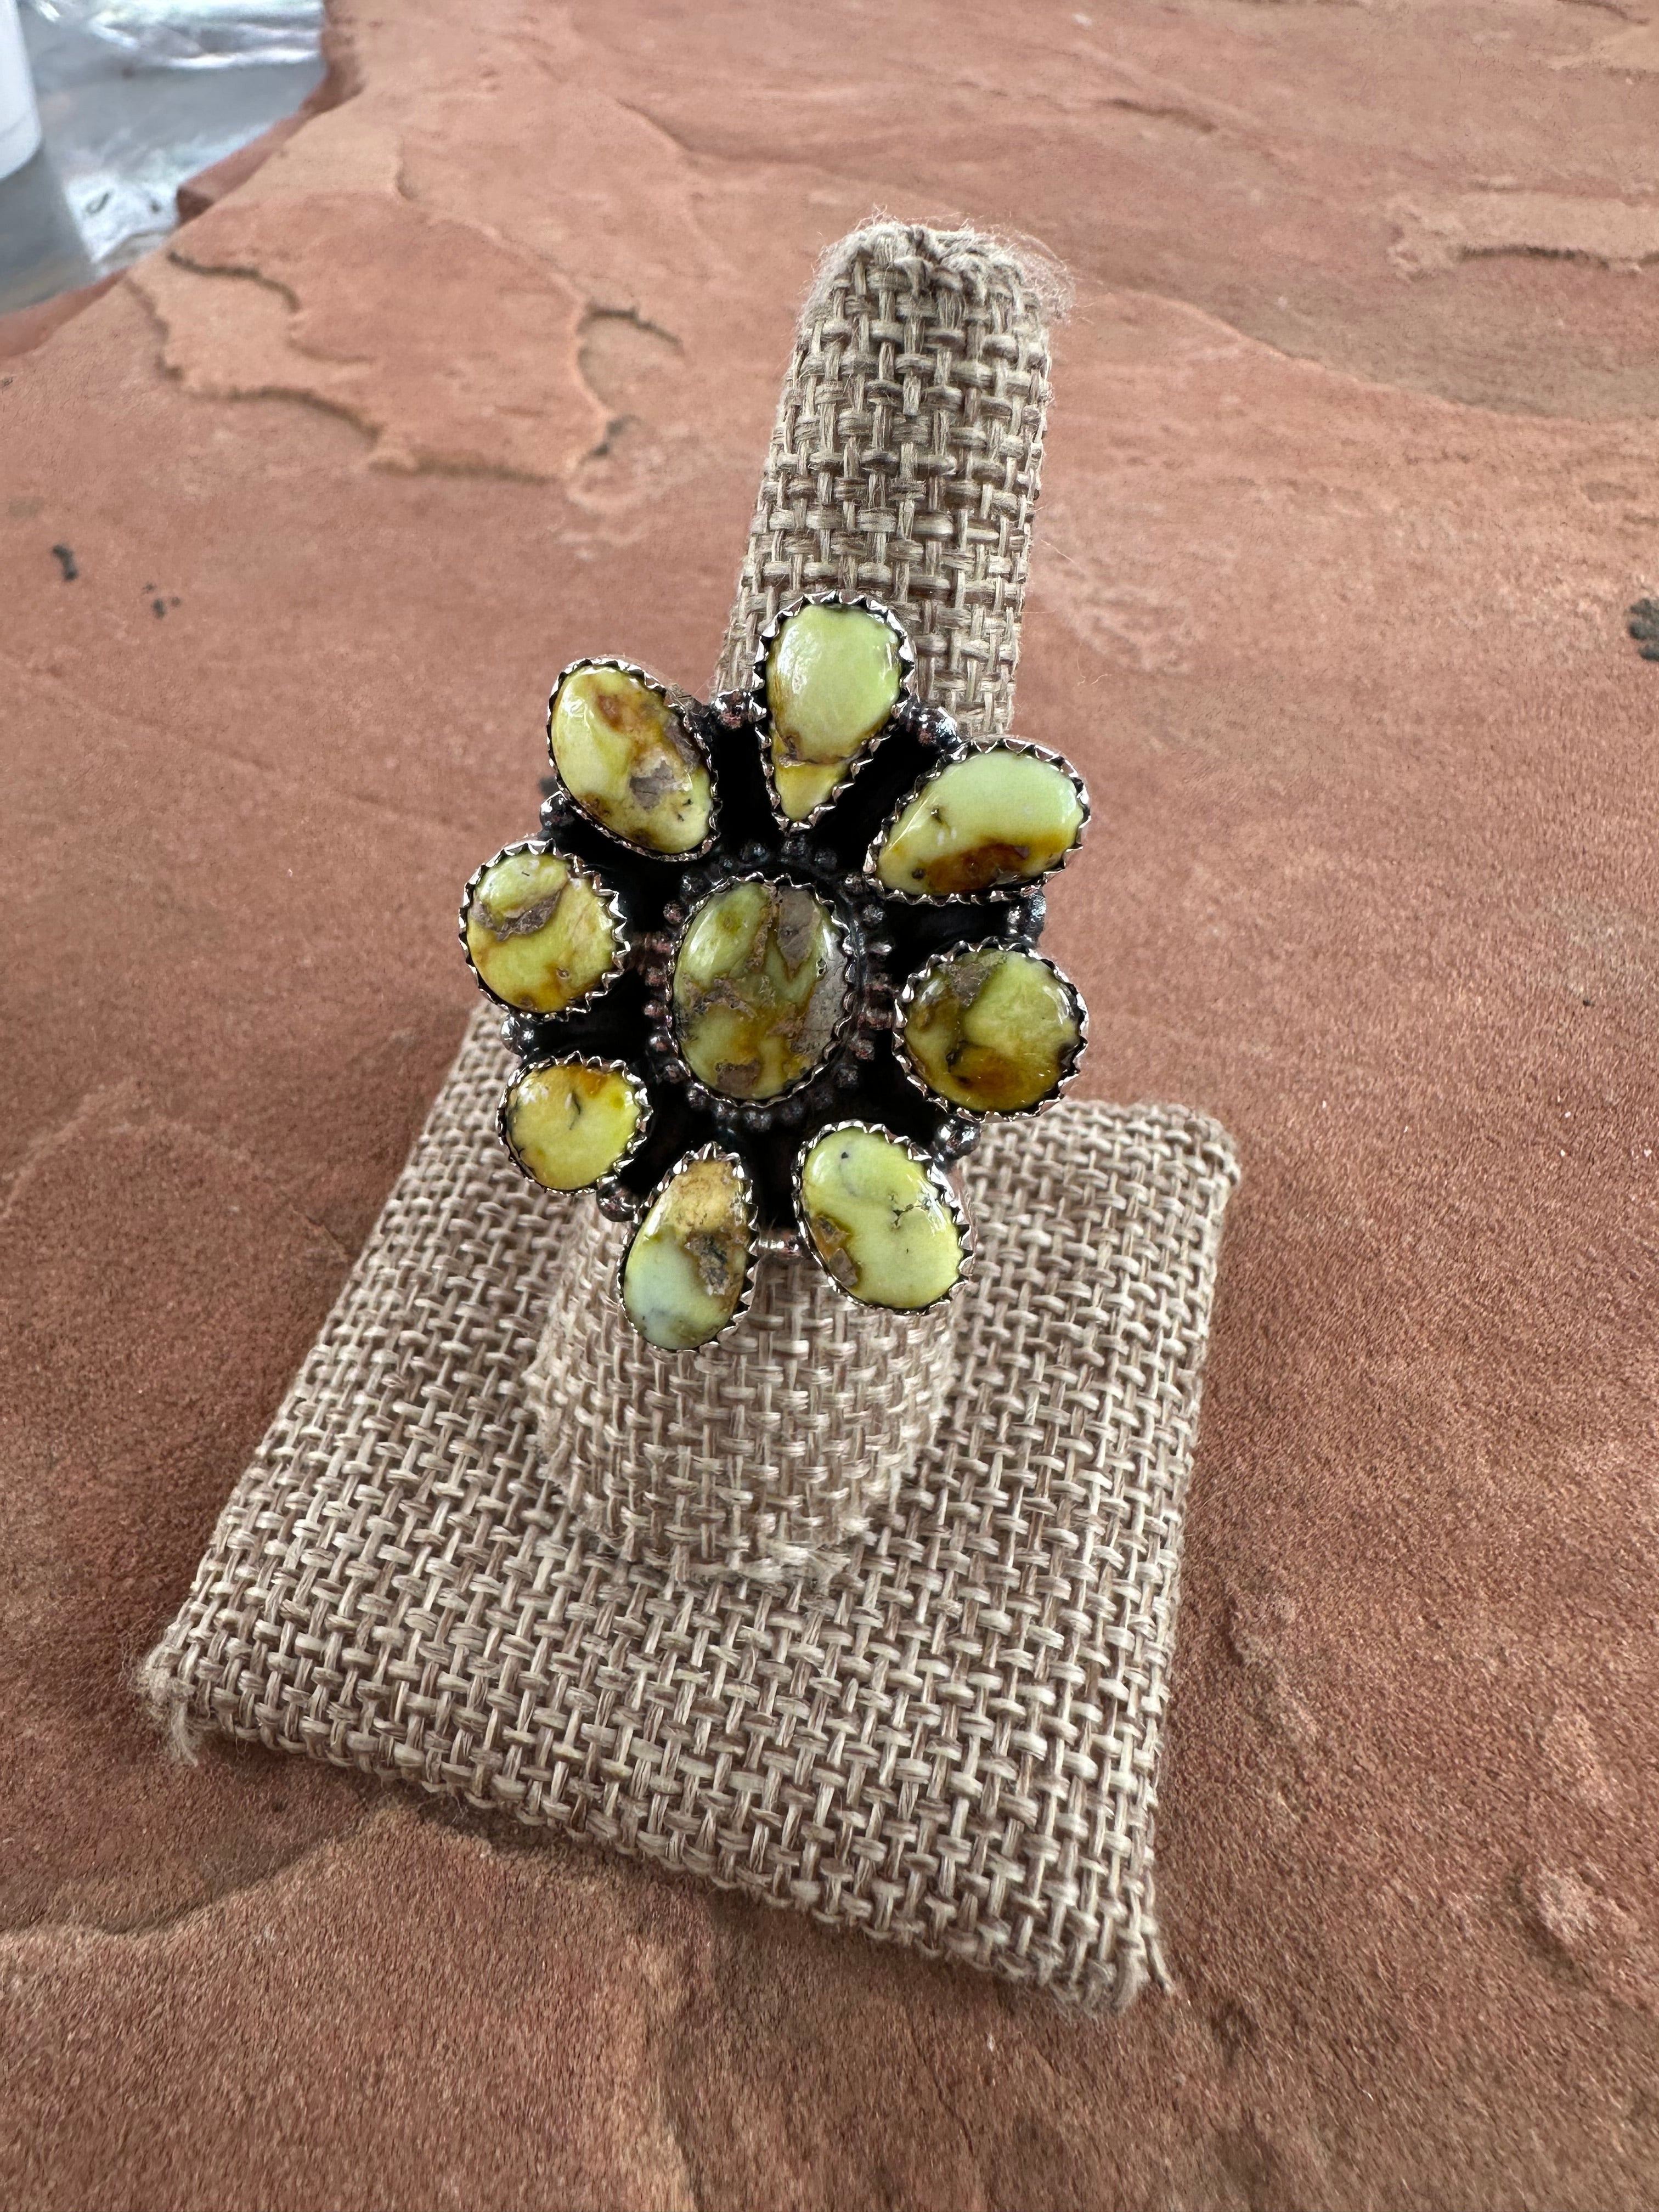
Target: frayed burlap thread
{"points": [[952, 1743]]}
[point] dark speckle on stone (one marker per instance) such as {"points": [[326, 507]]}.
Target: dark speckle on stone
{"points": [[65, 556], [1643, 622]]}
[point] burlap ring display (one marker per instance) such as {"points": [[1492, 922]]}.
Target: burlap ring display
{"points": [[904, 463], [864, 1615]]}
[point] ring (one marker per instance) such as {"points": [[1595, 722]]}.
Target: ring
{"points": [[771, 962]]}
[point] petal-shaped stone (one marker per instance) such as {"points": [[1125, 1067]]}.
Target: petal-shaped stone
{"points": [[684, 1278], [878, 1219], [539, 932], [760, 983], [568, 1122], [626, 756], [832, 679], [993, 1029], [998, 817]]}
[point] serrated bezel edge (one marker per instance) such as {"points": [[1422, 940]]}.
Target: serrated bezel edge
{"points": [[631, 1075], [761, 712], [623, 935], [658, 970], [679, 701], [912, 1074]]}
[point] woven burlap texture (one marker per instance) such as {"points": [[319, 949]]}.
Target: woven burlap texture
{"points": [[904, 462], [952, 1744], [906, 456], [764, 1454]]}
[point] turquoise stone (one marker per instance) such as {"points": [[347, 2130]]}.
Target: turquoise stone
{"points": [[568, 1124], [993, 1029], [877, 1219], [832, 678], [760, 983], [682, 1280], [539, 932], [998, 817], [626, 758]]}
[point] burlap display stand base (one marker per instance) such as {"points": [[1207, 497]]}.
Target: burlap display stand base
{"points": [[952, 1742], [864, 1613]]}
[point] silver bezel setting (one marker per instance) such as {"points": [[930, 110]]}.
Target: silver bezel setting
{"points": [[859, 995], [918, 1081], [635, 1082], [746, 1183], [621, 957], [936, 1175], [998, 893], [680, 703], [760, 710]]}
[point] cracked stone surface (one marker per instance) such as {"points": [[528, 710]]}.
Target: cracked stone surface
{"points": [[1351, 482]]}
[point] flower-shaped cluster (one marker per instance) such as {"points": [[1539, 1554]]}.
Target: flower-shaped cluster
{"points": [[771, 962]]}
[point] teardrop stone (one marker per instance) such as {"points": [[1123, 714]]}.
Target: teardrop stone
{"points": [[999, 817], [684, 1278], [877, 1219], [568, 1124], [832, 679], [760, 980], [626, 756], [539, 935], [993, 1029]]}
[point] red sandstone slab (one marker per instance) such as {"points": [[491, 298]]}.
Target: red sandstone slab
{"points": [[474, 375]]}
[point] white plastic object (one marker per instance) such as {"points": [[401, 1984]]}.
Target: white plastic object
{"points": [[20, 119]]}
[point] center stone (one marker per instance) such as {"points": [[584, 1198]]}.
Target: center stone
{"points": [[760, 983]]}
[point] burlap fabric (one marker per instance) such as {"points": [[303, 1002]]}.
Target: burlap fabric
{"points": [[952, 1743], [866, 1615], [906, 456], [765, 1456]]}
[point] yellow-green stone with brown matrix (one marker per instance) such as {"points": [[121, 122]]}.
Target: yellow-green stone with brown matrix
{"points": [[999, 817], [832, 679], [878, 1220], [539, 935], [760, 980], [684, 1277], [569, 1124], [623, 755], [993, 1029]]}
